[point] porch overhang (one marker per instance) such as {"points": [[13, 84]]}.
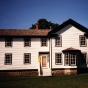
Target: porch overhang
{"points": [[71, 49]]}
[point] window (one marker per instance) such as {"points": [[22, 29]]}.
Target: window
{"points": [[43, 41], [8, 42], [66, 58], [27, 58], [27, 42], [58, 41], [83, 58], [58, 58], [70, 58], [82, 40], [8, 59]]}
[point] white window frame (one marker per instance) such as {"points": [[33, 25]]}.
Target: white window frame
{"points": [[81, 41], [43, 42], [70, 57], [8, 59], [27, 42], [29, 58], [58, 41], [59, 57], [8, 42], [66, 56]]}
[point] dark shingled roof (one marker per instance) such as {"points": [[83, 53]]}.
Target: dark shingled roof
{"points": [[72, 22], [41, 32], [24, 32]]}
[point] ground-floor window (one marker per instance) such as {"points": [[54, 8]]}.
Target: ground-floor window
{"points": [[27, 58], [8, 59], [83, 57], [58, 58], [70, 58]]}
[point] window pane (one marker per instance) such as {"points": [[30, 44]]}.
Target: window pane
{"points": [[58, 41], [70, 58], [83, 58], [27, 58], [27, 42], [8, 58], [73, 58], [82, 40], [43, 42], [66, 55], [8, 42], [58, 57]]}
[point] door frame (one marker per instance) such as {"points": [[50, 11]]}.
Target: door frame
{"points": [[47, 54]]}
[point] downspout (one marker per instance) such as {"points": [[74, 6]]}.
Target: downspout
{"points": [[51, 53], [50, 49]]}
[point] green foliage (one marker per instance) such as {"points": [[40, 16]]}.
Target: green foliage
{"points": [[44, 24], [60, 81]]}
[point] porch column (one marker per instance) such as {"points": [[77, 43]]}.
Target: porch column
{"points": [[50, 49]]}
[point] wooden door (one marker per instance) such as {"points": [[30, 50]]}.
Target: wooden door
{"points": [[44, 61]]}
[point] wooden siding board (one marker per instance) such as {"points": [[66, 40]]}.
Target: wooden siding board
{"points": [[70, 38], [18, 51]]}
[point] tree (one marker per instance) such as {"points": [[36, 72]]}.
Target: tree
{"points": [[44, 24]]}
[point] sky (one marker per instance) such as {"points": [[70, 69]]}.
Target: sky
{"points": [[21, 14]]}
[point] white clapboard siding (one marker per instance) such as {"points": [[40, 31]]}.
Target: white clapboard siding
{"points": [[18, 51], [70, 38]]}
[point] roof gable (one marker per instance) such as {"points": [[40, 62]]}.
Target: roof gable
{"points": [[72, 22]]}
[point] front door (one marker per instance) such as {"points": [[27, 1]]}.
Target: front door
{"points": [[44, 61], [44, 69]]}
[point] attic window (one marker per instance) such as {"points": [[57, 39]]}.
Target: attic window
{"points": [[82, 39]]}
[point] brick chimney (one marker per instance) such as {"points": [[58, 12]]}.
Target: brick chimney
{"points": [[36, 26]]}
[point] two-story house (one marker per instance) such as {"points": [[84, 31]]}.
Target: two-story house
{"points": [[63, 50]]}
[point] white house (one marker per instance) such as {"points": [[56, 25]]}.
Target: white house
{"points": [[63, 50]]}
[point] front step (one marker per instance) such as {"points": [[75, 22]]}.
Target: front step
{"points": [[46, 72]]}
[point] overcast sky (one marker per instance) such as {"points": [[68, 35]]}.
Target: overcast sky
{"points": [[23, 13]]}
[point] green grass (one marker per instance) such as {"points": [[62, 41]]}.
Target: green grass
{"points": [[60, 81]]}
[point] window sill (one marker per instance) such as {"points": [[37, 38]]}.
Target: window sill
{"points": [[7, 64], [58, 63], [26, 63]]}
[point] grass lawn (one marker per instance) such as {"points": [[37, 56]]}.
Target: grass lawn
{"points": [[60, 81]]}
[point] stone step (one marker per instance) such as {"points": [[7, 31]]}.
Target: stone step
{"points": [[46, 72]]}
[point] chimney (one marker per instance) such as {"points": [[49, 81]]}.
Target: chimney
{"points": [[36, 26]]}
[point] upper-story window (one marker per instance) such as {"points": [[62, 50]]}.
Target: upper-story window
{"points": [[58, 41], [43, 41], [27, 42], [8, 42], [82, 39]]}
